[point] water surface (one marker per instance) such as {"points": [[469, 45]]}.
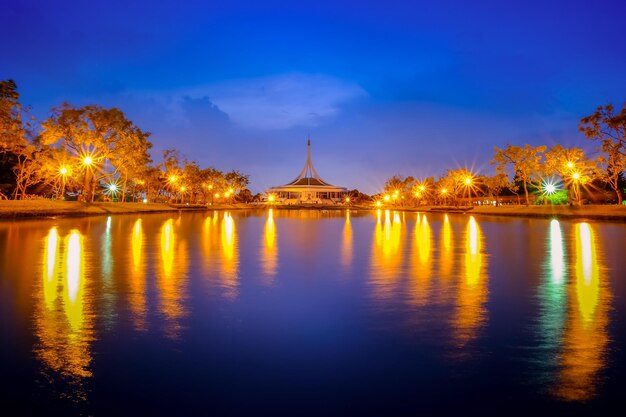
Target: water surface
{"points": [[311, 312]]}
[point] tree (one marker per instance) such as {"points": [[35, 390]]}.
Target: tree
{"points": [[12, 127], [573, 166], [525, 163], [612, 167], [610, 129], [496, 184], [236, 180], [130, 156], [96, 136]]}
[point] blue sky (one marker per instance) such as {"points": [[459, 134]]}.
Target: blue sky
{"points": [[382, 88]]}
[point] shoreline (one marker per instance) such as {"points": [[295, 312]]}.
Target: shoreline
{"points": [[33, 209]]}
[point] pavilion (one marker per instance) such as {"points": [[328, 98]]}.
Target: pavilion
{"points": [[308, 187]]}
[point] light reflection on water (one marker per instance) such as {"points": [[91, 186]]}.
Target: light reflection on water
{"points": [[427, 279], [63, 318], [585, 339]]}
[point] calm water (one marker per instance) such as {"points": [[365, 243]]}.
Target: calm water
{"points": [[304, 312]]}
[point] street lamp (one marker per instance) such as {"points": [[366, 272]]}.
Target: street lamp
{"points": [[64, 171], [87, 161]]}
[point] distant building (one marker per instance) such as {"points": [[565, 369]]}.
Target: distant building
{"points": [[308, 188]]}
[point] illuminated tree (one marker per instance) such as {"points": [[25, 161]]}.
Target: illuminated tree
{"points": [[496, 184], [94, 135], [610, 129], [130, 157], [397, 187], [13, 138], [573, 166], [525, 164], [12, 127]]}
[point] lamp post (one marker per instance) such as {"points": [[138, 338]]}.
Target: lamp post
{"points": [[87, 162], [64, 172]]}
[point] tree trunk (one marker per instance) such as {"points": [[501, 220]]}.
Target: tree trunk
{"points": [[618, 193], [124, 188], [526, 193]]}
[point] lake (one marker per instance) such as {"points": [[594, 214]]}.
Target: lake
{"points": [[300, 312]]}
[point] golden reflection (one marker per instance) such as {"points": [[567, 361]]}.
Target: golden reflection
{"points": [[346, 246], [472, 288], [137, 297], [387, 254], [586, 338], [63, 324], [270, 252], [171, 277], [50, 270], [229, 255], [75, 281], [220, 249], [167, 247], [421, 260], [446, 256]]}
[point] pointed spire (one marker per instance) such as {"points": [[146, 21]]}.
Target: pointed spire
{"points": [[308, 173]]}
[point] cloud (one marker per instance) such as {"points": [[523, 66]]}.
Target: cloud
{"points": [[285, 101]]}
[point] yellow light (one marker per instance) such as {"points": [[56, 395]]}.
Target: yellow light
{"points": [[468, 181], [386, 197], [183, 189], [88, 160], [230, 191], [422, 188], [396, 192], [570, 165], [378, 204], [145, 200], [347, 199], [173, 178], [217, 195], [444, 191], [576, 175], [137, 244], [271, 198], [63, 170], [210, 186]]}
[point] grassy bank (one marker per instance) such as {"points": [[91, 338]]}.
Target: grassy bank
{"points": [[592, 212], [48, 208]]}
